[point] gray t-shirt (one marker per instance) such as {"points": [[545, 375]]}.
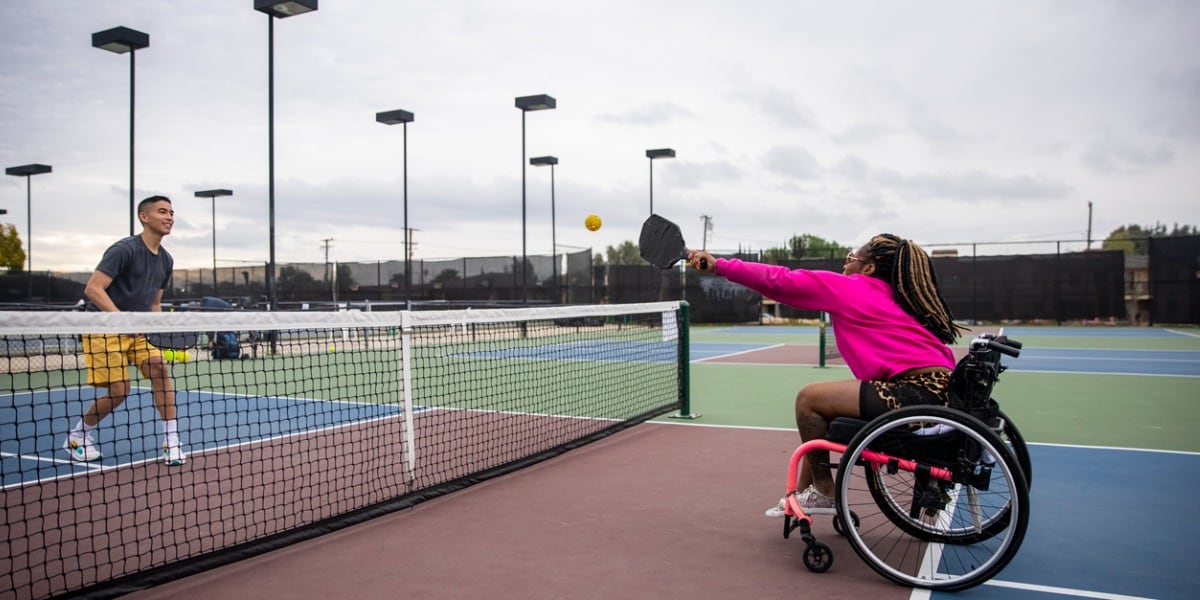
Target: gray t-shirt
{"points": [[137, 273]]}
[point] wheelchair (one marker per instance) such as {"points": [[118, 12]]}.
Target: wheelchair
{"points": [[930, 497]]}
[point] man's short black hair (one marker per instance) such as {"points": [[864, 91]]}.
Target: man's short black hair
{"points": [[151, 200]]}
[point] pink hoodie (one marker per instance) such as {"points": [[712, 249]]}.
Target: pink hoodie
{"points": [[877, 339]]}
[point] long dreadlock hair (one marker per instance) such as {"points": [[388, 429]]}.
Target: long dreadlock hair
{"points": [[905, 265]]}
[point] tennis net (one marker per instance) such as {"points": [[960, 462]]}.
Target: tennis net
{"points": [[323, 420]]}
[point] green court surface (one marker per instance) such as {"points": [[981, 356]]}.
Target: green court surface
{"points": [[1076, 408], [1125, 411]]}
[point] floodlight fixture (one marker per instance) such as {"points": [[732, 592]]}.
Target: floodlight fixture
{"points": [[282, 9], [653, 154], [121, 40], [402, 117], [28, 171], [212, 195], [275, 9], [526, 104]]}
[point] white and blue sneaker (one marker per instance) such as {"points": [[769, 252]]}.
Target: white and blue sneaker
{"points": [[81, 447], [172, 452]]}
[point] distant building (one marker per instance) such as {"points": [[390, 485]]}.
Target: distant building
{"points": [[1137, 289]]}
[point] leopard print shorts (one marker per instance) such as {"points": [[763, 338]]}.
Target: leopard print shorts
{"points": [[878, 397]]}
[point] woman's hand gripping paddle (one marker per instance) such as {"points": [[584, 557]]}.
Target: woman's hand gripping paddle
{"points": [[661, 243]]}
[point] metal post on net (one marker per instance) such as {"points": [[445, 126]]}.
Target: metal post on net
{"points": [[974, 284], [821, 342], [1058, 313], [685, 364]]}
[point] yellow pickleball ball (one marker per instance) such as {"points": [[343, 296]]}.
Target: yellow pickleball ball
{"points": [[168, 355], [183, 356], [332, 349], [592, 222]]}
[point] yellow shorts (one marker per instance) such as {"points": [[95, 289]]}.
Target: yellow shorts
{"points": [[109, 355]]}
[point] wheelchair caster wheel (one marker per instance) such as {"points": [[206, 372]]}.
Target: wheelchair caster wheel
{"points": [[818, 557], [840, 527]]}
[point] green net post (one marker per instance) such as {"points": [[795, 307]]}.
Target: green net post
{"points": [[821, 342], [685, 365]]}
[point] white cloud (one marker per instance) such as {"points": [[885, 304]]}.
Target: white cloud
{"points": [[941, 122]]}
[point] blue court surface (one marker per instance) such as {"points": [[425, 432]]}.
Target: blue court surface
{"points": [[1180, 363], [591, 350], [1105, 523], [34, 425]]}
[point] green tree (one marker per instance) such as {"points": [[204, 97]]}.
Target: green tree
{"points": [[345, 278], [295, 283], [12, 255], [446, 276], [625, 254], [1134, 239], [805, 246]]}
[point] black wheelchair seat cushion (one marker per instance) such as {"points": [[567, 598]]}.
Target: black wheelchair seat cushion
{"points": [[842, 429]]}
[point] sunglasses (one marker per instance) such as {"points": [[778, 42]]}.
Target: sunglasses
{"points": [[850, 257]]}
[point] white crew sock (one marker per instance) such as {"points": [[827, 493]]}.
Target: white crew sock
{"points": [[81, 429], [170, 433]]}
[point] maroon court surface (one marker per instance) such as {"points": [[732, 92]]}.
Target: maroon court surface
{"points": [[662, 510]]}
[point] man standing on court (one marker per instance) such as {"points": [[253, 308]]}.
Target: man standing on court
{"points": [[131, 276]]}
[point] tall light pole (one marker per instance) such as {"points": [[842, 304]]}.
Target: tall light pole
{"points": [[275, 9], [541, 161], [526, 104], [28, 171], [404, 117], [212, 195], [121, 40], [653, 154]]}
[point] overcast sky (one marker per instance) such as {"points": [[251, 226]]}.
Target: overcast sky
{"points": [[953, 121]]}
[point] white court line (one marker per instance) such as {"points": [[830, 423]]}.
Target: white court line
{"points": [[728, 354], [60, 461], [924, 594], [1123, 374], [1084, 357], [793, 430], [1049, 589], [1187, 333]]}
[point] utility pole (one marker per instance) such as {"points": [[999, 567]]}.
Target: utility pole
{"points": [[327, 243], [1089, 231], [408, 251]]}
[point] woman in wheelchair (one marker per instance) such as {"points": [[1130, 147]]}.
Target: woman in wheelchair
{"points": [[891, 326]]}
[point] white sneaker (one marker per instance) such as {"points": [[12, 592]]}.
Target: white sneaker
{"points": [[82, 447], [172, 453], [778, 511], [811, 501]]}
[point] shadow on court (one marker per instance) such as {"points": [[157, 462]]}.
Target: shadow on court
{"points": [[670, 511], [657, 511]]}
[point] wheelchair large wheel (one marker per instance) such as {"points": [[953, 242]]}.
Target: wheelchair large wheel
{"points": [[1012, 438], [916, 529], [895, 494]]}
